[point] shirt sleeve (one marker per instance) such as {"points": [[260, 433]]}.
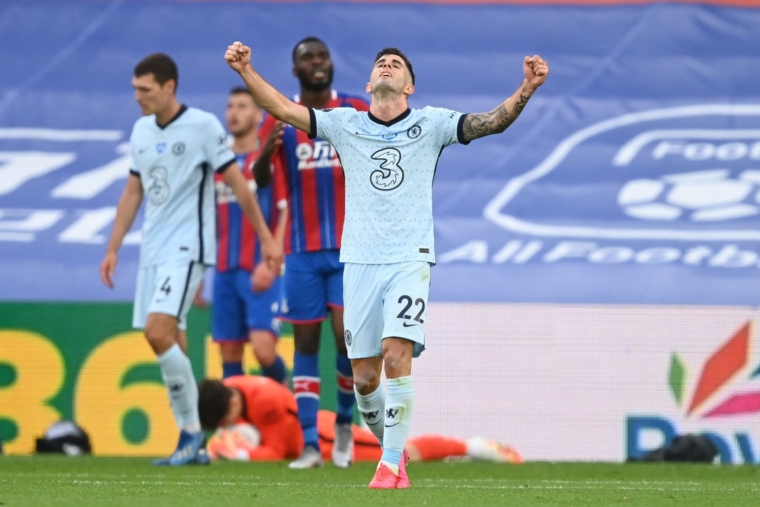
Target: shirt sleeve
{"points": [[216, 148], [133, 170], [450, 126], [327, 123]]}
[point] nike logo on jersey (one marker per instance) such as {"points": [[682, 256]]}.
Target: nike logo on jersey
{"points": [[142, 150], [409, 325]]}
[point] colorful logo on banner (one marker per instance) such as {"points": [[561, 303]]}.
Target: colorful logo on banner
{"points": [[723, 368], [727, 368]]}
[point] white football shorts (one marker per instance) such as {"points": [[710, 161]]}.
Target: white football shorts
{"points": [[384, 301], [166, 288]]}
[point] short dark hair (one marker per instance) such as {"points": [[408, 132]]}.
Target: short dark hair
{"points": [[397, 52], [240, 90], [213, 403], [161, 66], [306, 40]]}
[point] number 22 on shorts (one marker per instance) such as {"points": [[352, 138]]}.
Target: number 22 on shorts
{"points": [[408, 302]]}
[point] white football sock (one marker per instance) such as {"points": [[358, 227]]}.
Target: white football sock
{"points": [[399, 402], [183, 391], [372, 408]]}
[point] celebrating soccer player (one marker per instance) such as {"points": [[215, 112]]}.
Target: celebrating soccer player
{"points": [[174, 149], [308, 171], [246, 291], [389, 156]]}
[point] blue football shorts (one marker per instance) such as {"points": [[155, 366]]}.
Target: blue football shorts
{"points": [[313, 282], [237, 310]]}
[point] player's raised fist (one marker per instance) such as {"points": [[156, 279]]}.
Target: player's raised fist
{"points": [[536, 70], [238, 56]]}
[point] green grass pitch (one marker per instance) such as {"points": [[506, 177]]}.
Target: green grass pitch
{"points": [[82, 482]]}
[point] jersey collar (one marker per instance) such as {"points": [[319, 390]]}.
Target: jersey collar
{"points": [[392, 122], [182, 109]]}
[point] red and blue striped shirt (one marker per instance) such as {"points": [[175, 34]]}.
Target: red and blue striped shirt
{"points": [[237, 243], [308, 173]]}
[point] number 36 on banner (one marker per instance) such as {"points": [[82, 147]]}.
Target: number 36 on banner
{"points": [[122, 417]]}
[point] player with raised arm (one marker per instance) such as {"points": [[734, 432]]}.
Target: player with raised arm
{"points": [[246, 291], [175, 152], [389, 156], [309, 173]]}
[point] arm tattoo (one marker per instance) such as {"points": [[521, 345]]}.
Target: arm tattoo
{"points": [[495, 122]]}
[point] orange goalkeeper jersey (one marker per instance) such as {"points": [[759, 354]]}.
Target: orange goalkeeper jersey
{"points": [[272, 408]]}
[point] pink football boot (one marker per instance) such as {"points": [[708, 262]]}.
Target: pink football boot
{"points": [[384, 478], [403, 479]]}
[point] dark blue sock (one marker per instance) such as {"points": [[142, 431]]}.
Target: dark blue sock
{"points": [[306, 387], [276, 370], [346, 397], [232, 369]]}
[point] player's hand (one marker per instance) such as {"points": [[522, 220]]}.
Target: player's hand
{"points": [[536, 70], [262, 277], [238, 56], [274, 140], [108, 268], [198, 300], [273, 257]]}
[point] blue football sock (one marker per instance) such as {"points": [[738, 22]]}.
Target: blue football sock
{"points": [[276, 370], [346, 397], [232, 369], [306, 387]]}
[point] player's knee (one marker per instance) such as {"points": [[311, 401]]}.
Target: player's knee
{"points": [[398, 361], [366, 380], [306, 341], [231, 352], [159, 339], [265, 355]]}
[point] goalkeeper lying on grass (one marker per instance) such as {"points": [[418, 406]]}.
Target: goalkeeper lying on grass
{"points": [[228, 406]]}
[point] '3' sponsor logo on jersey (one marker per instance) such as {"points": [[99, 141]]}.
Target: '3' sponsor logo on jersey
{"points": [[390, 175], [159, 190]]}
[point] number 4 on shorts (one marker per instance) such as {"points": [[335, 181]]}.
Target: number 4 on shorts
{"points": [[166, 288]]}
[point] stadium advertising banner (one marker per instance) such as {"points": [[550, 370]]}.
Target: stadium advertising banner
{"points": [[558, 382], [84, 362], [600, 383]]}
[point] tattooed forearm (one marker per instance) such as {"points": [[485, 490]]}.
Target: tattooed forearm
{"points": [[522, 101], [495, 122]]}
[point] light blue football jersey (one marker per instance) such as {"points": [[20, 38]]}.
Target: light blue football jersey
{"points": [[389, 169], [175, 164]]}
